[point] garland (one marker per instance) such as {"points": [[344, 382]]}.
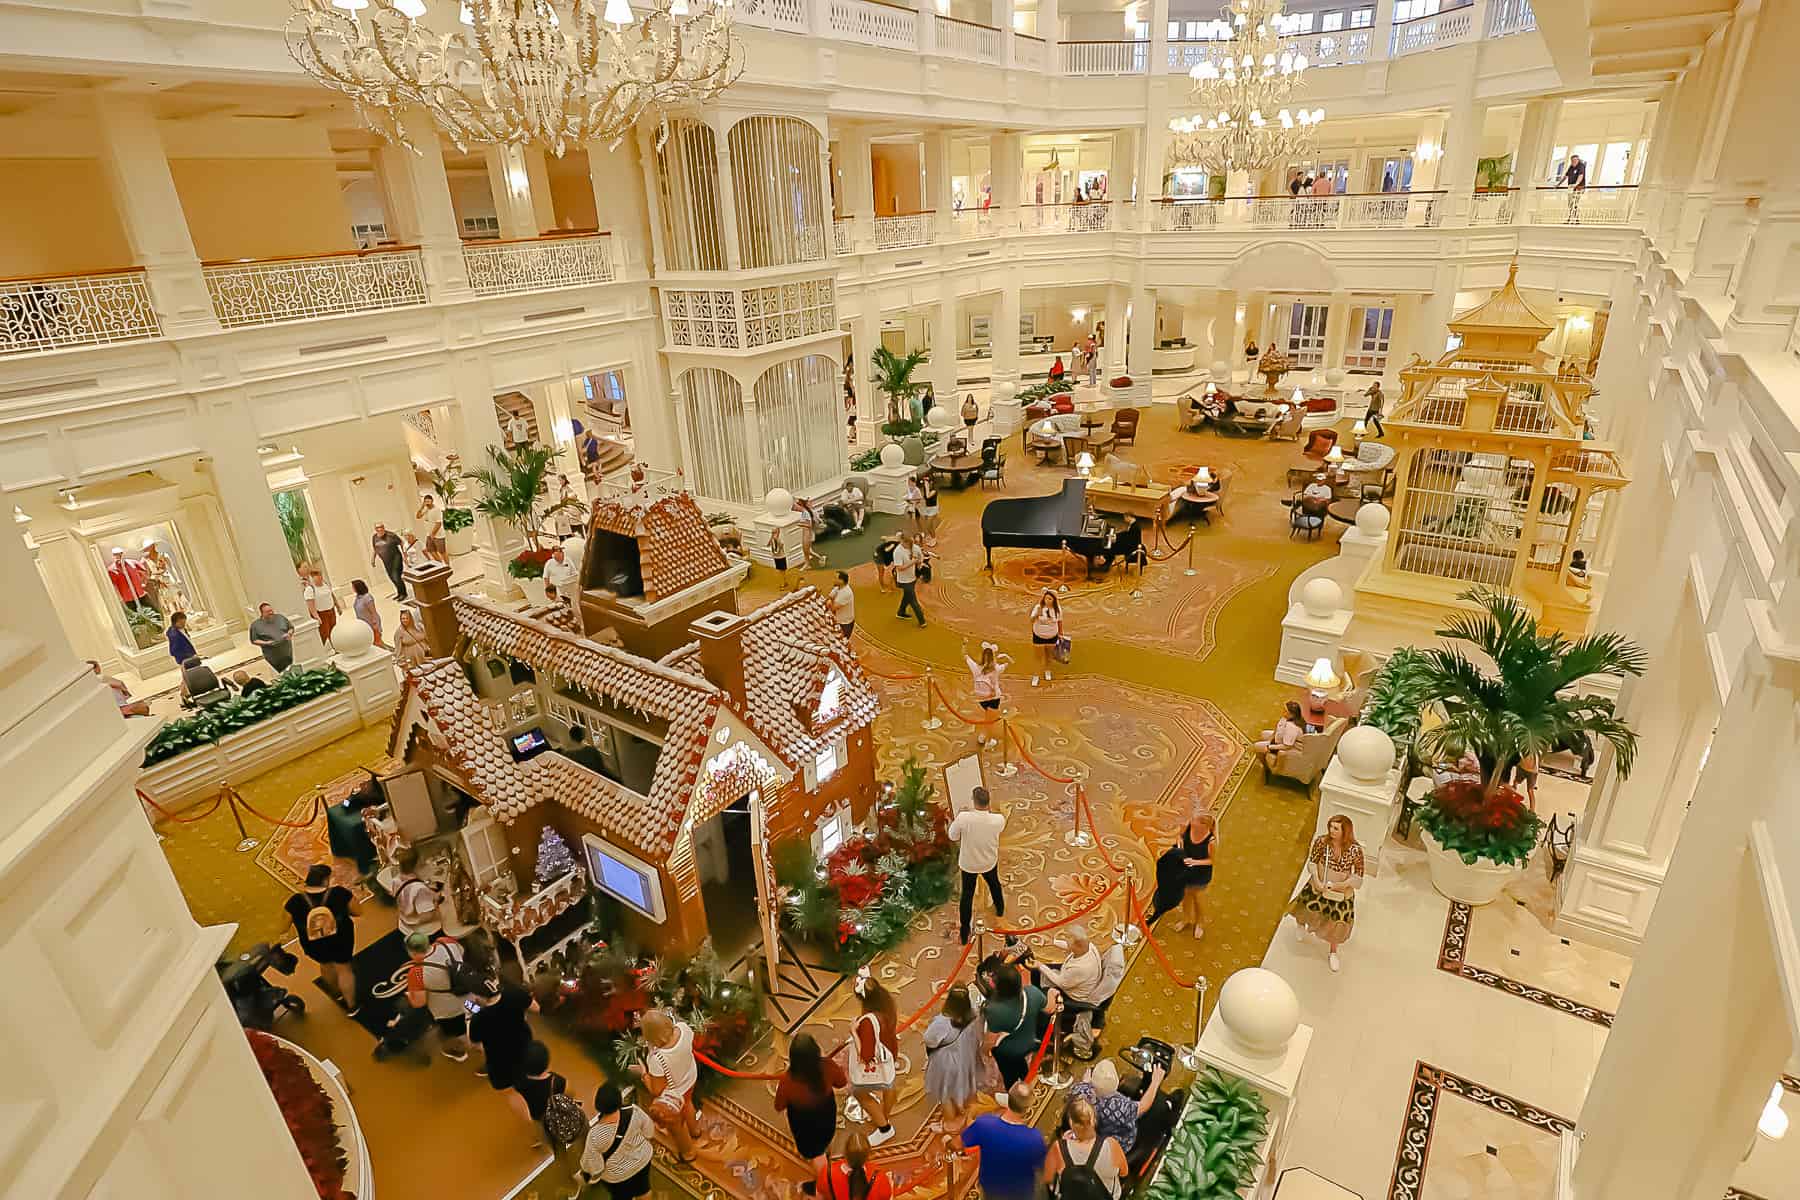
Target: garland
{"points": [[290, 689], [307, 1110]]}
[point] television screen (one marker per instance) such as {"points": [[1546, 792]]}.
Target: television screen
{"points": [[624, 878], [528, 743]]}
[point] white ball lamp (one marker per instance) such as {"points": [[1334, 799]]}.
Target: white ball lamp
{"points": [[1321, 597], [352, 638], [1372, 520], [940, 417], [779, 502], [1260, 1012], [1367, 753]]}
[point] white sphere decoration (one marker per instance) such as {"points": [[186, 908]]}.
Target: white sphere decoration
{"points": [[1318, 377], [352, 637], [892, 455], [1372, 520], [1367, 753], [940, 416], [1260, 1011], [1003, 391], [1336, 376], [1221, 372], [779, 502], [1321, 597]]}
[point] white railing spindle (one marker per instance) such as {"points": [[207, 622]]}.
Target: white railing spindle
{"points": [[75, 310], [265, 291], [1105, 58], [875, 24], [902, 230], [1425, 33], [537, 264], [1507, 17]]}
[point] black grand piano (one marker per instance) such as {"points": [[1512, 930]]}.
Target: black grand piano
{"points": [[1047, 522]]}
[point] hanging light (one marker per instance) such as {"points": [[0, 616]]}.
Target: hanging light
{"points": [[618, 12], [1773, 1124], [1252, 73]]}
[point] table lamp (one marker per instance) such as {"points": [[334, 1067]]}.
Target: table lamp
{"points": [[1321, 679], [1084, 464], [1335, 455], [1203, 476], [1360, 428]]}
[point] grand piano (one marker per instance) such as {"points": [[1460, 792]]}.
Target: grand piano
{"points": [[1047, 522]]}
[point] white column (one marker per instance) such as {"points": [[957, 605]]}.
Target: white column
{"points": [[1049, 27], [1140, 354], [1158, 62], [1337, 338], [1006, 334], [1007, 158], [865, 335], [1531, 155], [619, 200], [927, 26], [1462, 146], [858, 181], [1112, 356], [143, 190], [510, 181], [728, 222], [943, 345], [1381, 34], [229, 437], [1223, 349], [1122, 177], [425, 214], [937, 180], [647, 164], [537, 177], [478, 428], [1431, 134]]}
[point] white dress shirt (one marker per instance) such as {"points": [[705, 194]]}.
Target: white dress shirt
{"points": [[562, 576], [977, 835]]}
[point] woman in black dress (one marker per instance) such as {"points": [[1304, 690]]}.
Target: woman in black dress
{"points": [[503, 1031], [1184, 870], [807, 1093]]}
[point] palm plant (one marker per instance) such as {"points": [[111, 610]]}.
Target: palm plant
{"points": [[1520, 710], [894, 376], [512, 486]]}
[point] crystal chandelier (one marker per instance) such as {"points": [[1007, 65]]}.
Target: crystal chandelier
{"points": [[551, 72], [1242, 95]]}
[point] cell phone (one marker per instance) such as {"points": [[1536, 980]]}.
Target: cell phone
{"points": [[470, 1007]]}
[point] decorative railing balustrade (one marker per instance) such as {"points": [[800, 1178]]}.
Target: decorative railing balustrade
{"points": [[793, 16], [270, 290], [49, 312], [842, 234], [1584, 206], [1334, 49], [1429, 32], [750, 317], [976, 223], [875, 24], [972, 40], [1095, 216], [1494, 207], [1507, 17], [1029, 52], [1353, 210], [1104, 58], [902, 230], [538, 264], [520, 916]]}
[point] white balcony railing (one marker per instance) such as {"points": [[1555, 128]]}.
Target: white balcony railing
{"points": [[794, 16], [1373, 210], [902, 230], [842, 230], [1104, 58], [1338, 48], [1510, 16], [1029, 53], [1092, 217], [1587, 206], [538, 264], [975, 223], [956, 38], [50, 312], [265, 291], [1494, 208], [1428, 33], [875, 24]]}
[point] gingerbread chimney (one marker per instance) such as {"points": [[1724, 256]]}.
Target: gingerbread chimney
{"points": [[721, 637], [430, 588]]}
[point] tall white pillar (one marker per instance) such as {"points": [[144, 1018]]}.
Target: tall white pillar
{"points": [[937, 181], [1049, 27], [537, 177], [131, 150], [1381, 33], [865, 335], [857, 178], [478, 429], [510, 181], [425, 215], [1531, 154], [1007, 158], [1006, 334], [728, 222], [1337, 337], [1462, 146], [619, 201], [1118, 324], [943, 345], [1140, 354], [1223, 349]]}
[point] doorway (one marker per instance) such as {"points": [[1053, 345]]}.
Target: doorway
{"points": [[725, 856]]}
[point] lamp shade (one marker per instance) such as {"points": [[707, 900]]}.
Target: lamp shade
{"points": [[618, 12], [1203, 475], [1335, 454], [1360, 428], [1085, 463], [1322, 676]]}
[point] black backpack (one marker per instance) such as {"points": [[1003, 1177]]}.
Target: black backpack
{"points": [[1079, 1181]]}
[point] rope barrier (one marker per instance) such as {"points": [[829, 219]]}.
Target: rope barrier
{"points": [[1162, 959], [1057, 924], [1035, 765], [943, 989], [167, 815], [951, 708], [1037, 1060], [903, 678], [1173, 549], [727, 1071], [237, 799], [1083, 804]]}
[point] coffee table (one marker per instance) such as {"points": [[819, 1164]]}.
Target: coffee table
{"points": [[1344, 509], [961, 469]]}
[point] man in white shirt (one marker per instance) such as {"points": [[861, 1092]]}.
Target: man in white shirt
{"points": [[518, 430], [1078, 978], [907, 556], [843, 604], [976, 832], [561, 574]]}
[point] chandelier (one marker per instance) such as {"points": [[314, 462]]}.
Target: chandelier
{"points": [[511, 72], [1242, 95]]}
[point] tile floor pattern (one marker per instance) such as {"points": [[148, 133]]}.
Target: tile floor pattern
{"points": [[1473, 1142]]}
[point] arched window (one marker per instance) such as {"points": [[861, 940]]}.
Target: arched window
{"points": [[780, 204], [797, 407], [687, 182], [712, 408]]}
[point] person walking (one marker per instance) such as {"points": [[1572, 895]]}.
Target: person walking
{"points": [[1326, 905], [410, 645], [907, 557], [1014, 1008], [324, 919], [976, 832], [928, 509], [915, 506], [778, 554], [953, 1058], [181, 646], [985, 677], [971, 415], [1373, 416], [1184, 871], [363, 605], [562, 575], [843, 605], [431, 985], [669, 1073], [874, 1053], [321, 603], [619, 1146], [1084, 1164], [807, 1093], [851, 1177], [430, 518], [415, 900], [1012, 1149], [502, 1028], [273, 633], [389, 553], [1046, 632], [537, 1085]]}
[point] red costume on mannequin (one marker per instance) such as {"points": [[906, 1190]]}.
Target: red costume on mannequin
{"points": [[127, 579]]}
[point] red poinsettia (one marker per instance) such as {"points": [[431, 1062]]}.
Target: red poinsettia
{"points": [[857, 890], [1474, 822], [307, 1110]]}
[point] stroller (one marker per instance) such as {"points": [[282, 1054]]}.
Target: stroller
{"points": [[256, 1001]]}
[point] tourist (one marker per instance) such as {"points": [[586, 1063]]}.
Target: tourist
{"points": [[1184, 870], [1373, 415], [851, 1177], [985, 676], [1012, 1149], [1574, 177], [502, 1029], [884, 561], [121, 694], [857, 505], [953, 1057], [1046, 631], [874, 1053], [809, 532], [1288, 730], [843, 605], [415, 899], [363, 605], [976, 832], [915, 506], [1078, 976], [1091, 351], [181, 646], [324, 920], [390, 555], [619, 1146], [1466, 769], [436, 961], [568, 509], [778, 554], [518, 430], [1084, 1163], [1057, 370], [1250, 349], [1322, 184], [1116, 1113], [1317, 490], [971, 415], [413, 558], [1326, 905], [669, 1073], [431, 519], [321, 603], [807, 1093], [410, 645], [1014, 1009], [246, 683], [562, 574], [1526, 770], [928, 508], [274, 633], [1295, 184], [907, 558], [548, 1104]]}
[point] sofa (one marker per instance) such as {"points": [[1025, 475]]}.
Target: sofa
{"points": [[1063, 423], [1372, 464], [1305, 761]]}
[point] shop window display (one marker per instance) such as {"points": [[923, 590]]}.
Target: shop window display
{"points": [[148, 577]]}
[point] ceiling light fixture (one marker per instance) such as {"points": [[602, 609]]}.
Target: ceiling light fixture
{"points": [[1251, 71]]}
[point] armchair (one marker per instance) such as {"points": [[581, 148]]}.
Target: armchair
{"points": [[1287, 429], [1125, 426], [1307, 758]]}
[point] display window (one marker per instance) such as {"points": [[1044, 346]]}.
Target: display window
{"points": [[147, 576]]}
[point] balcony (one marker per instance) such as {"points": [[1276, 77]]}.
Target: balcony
{"points": [[1104, 58], [44, 312], [743, 319], [1351, 210], [902, 231], [271, 290], [501, 268], [1589, 206], [1429, 32]]}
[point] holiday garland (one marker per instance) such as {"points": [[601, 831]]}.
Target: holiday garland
{"points": [[307, 1110], [1213, 1154]]}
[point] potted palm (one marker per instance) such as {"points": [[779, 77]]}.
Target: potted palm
{"points": [[1478, 833], [459, 522], [512, 491], [894, 376]]}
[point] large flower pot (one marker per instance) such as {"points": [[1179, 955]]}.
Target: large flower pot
{"points": [[533, 589], [1473, 884], [460, 542]]}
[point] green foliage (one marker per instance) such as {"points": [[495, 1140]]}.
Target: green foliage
{"points": [[511, 486], [1493, 173], [893, 374], [866, 460], [1398, 695], [448, 484], [146, 627], [290, 511], [1214, 1152], [291, 688], [457, 519], [1046, 389], [1477, 823], [900, 427]]}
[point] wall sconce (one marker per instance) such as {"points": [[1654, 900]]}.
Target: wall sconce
{"points": [[1131, 17], [1429, 150], [1078, 315], [1579, 322], [1299, 400], [1773, 1124]]}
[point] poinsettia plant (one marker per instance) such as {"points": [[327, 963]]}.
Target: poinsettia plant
{"points": [[1476, 822], [529, 563], [307, 1110]]}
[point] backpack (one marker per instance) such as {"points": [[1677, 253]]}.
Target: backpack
{"points": [[321, 922], [464, 979], [1079, 1181], [565, 1121]]}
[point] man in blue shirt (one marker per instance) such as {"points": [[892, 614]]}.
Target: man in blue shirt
{"points": [[1012, 1149], [181, 647]]}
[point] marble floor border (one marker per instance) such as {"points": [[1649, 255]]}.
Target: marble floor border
{"points": [[1429, 1084], [1450, 959]]}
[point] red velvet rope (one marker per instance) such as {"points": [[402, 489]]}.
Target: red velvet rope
{"points": [[724, 1070], [1037, 1059], [1162, 959], [868, 670], [942, 989], [1072, 917], [318, 807], [1084, 805], [1032, 762], [167, 815], [951, 709]]}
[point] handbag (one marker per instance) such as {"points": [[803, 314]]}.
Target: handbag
{"points": [[1063, 648]]}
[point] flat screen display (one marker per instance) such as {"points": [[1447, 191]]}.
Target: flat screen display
{"points": [[619, 875], [528, 743]]}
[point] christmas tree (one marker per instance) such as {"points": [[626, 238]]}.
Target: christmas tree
{"points": [[554, 858]]}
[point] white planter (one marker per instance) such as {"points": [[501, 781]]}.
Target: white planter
{"points": [[263, 746], [1474, 885], [460, 542], [533, 589]]}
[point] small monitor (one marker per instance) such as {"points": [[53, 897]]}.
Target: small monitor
{"points": [[528, 744], [624, 877]]}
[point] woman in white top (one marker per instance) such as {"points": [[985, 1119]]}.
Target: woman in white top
{"points": [[619, 1147], [669, 1074], [1046, 630], [1083, 1146], [986, 677], [915, 507]]}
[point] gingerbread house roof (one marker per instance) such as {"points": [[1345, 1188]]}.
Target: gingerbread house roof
{"points": [[675, 548], [791, 648]]}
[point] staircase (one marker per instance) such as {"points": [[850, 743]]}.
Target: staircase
{"points": [[614, 455]]}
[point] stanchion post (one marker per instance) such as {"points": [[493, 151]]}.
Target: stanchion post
{"points": [[931, 718], [1189, 1056], [246, 843], [1126, 932], [980, 941], [1055, 1080], [1190, 566], [1007, 768], [1078, 837], [1062, 568]]}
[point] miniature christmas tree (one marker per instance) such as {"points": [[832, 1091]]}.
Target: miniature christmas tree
{"points": [[554, 858]]}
